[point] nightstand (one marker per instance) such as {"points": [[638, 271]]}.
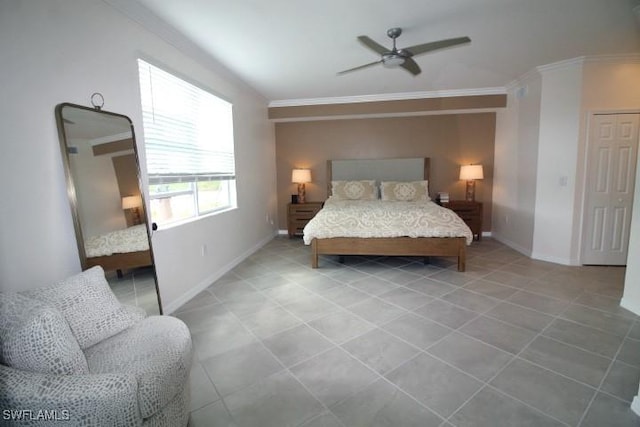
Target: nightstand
{"points": [[299, 214], [470, 212]]}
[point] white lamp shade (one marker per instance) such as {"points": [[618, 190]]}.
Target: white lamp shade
{"points": [[469, 172], [130, 202], [301, 176]]}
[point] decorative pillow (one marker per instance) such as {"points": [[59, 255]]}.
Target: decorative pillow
{"points": [[414, 191], [35, 337], [354, 190], [89, 306]]}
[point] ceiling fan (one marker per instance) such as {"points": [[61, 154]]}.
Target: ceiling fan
{"points": [[403, 57]]}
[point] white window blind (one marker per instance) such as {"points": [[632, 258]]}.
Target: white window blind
{"points": [[188, 131]]}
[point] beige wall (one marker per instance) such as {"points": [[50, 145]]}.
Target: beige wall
{"points": [[449, 140]]}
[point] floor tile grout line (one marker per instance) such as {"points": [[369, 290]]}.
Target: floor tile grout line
{"points": [[334, 346], [375, 325], [514, 358], [606, 374], [345, 309], [352, 356], [284, 368], [555, 317], [224, 404]]}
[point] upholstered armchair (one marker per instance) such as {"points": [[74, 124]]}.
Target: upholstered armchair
{"points": [[72, 352]]}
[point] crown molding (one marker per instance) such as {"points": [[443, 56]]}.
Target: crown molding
{"points": [[619, 58], [626, 58], [385, 115], [523, 80], [561, 64], [388, 97]]}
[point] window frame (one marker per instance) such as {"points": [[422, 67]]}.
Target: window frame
{"points": [[192, 179]]}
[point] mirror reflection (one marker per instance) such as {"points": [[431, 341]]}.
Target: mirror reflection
{"points": [[101, 163]]}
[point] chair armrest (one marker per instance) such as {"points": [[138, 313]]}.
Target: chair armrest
{"points": [[92, 399], [136, 313]]}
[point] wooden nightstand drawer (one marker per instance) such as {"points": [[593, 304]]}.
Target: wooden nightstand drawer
{"points": [[298, 215], [470, 213]]}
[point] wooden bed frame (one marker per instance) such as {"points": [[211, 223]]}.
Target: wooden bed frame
{"points": [[391, 246], [119, 262]]}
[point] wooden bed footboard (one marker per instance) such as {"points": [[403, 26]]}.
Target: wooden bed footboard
{"points": [[122, 261], [396, 246]]}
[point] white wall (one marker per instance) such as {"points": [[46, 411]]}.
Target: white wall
{"points": [[55, 51], [557, 157], [515, 164], [609, 85], [615, 86], [566, 93]]}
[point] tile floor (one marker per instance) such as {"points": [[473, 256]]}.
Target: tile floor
{"points": [[137, 287], [394, 342]]}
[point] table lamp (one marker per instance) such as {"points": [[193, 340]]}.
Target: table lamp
{"points": [[300, 177], [133, 203], [470, 173]]}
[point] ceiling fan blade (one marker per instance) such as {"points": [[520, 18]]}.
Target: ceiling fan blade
{"points": [[428, 47], [411, 66], [378, 48], [359, 67]]}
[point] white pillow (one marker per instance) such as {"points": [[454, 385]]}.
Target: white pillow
{"points": [[412, 191], [35, 337], [354, 190], [89, 306]]}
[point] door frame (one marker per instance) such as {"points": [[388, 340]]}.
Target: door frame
{"points": [[585, 165]]}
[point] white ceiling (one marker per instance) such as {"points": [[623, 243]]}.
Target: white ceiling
{"points": [[292, 49]]}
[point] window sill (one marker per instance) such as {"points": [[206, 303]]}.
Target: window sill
{"points": [[194, 219]]}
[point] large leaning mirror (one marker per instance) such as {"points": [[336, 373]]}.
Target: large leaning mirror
{"points": [[103, 183]]}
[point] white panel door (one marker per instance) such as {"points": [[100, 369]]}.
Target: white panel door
{"points": [[611, 171]]}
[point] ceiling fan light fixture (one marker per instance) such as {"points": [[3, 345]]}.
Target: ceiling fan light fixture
{"points": [[392, 61]]}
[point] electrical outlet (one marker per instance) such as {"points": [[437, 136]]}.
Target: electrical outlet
{"points": [[203, 249]]}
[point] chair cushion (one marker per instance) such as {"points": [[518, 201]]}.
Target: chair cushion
{"points": [[157, 351], [89, 306], [35, 337]]}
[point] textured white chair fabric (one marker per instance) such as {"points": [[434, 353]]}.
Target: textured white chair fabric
{"points": [[116, 367]]}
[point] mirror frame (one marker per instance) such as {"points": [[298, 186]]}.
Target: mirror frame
{"points": [[71, 187]]}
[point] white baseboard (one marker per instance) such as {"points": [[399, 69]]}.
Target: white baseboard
{"points": [[553, 259], [512, 245], [635, 405], [204, 284]]}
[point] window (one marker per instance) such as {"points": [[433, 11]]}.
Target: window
{"points": [[188, 135]]}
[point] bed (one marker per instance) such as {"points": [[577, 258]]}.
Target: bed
{"points": [[368, 229], [119, 250]]}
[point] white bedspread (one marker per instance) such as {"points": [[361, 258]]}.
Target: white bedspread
{"points": [[132, 239], [378, 218]]}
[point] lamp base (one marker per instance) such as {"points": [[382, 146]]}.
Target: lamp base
{"points": [[301, 193], [470, 194]]}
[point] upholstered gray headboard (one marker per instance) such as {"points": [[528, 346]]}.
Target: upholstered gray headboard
{"points": [[412, 169]]}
